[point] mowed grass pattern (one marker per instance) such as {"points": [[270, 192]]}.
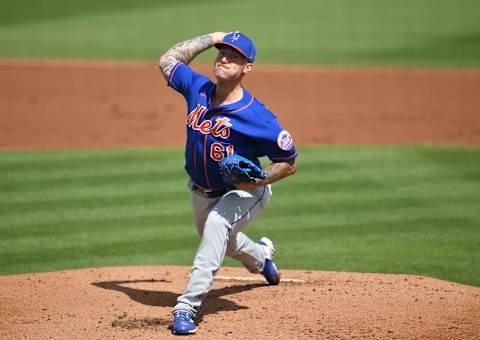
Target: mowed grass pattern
{"points": [[413, 33], [82, 209], [368, 209]]}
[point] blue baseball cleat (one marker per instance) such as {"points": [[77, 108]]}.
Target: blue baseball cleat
{"points": [[183, 323], [270, 271]]}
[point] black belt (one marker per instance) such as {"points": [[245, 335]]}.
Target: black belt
{"points": [[208, 193]]}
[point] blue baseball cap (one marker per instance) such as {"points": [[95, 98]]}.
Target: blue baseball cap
{"points": [[240, 42]]}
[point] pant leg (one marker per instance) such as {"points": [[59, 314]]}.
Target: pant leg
{"points": [[228, 217], [240, 246], [248, 252], [201, 208]]}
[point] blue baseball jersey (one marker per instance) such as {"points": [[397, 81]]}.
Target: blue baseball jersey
{"points": [[246, 128]]}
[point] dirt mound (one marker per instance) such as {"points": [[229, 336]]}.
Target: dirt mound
{"points": [[136, 302], [74, 105]]}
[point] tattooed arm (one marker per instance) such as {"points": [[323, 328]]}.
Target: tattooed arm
{"points": [[186, 50], [273, 173]]}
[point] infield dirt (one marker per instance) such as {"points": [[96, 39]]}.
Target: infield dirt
{"points": [[65, 105], [68, 105]]}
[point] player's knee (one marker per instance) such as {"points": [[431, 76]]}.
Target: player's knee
{"points": [[217, 224]]}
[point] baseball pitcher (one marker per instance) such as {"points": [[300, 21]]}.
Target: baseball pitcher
{"points": [[228, 129]]}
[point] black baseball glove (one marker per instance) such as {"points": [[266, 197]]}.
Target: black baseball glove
{"points": [[236, 169]]}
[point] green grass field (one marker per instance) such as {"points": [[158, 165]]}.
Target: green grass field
{"points": [[367, 209], [419, 33]]}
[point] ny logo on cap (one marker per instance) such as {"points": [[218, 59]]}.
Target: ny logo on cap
{"points": [[235, 37]]}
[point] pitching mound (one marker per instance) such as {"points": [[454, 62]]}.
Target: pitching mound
{"points": [[136, 302]]}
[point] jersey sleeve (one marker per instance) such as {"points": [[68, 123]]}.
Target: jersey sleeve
{"points": [[276, 143], [182, 78]]}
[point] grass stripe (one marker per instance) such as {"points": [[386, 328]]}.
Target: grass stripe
{"points": [[92, 224], [165, 208], [403, 209], [139, 200], [32, 195], [54, 172], [340, 32]]}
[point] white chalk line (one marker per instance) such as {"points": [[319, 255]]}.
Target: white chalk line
{"points": [[246, 278]]}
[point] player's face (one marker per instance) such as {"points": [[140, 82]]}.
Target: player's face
{"points": [[230, 64]]}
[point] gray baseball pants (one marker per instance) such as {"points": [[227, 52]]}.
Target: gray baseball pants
{"points": [[220, 222]]}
